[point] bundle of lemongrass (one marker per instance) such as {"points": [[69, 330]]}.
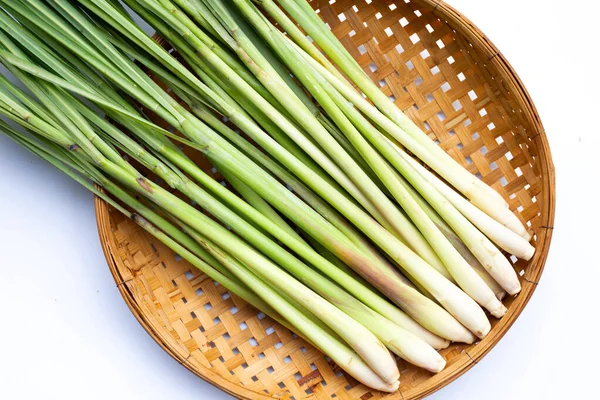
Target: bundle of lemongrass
{"points": [[387, 243]]}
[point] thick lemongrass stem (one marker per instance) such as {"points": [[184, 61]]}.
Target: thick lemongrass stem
{"points": [[455, 240], [401, 225], [314, 332], [498, 233], [471, 316], [310, 21], [465, 183], [342, 355], [488, 255]]}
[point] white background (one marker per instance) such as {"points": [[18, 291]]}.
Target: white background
{"points": [[66, 333]]}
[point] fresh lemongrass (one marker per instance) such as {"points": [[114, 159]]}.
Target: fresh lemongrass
{"points": [[416, 305], [498, 233], [480, 246], [462, 272], [314, 26], [364, 342], [314, 333], [455, 240], [177, 181], [458, 177], [278, 87]]}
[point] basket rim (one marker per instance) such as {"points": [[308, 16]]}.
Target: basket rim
{"points": [[465, 27]]}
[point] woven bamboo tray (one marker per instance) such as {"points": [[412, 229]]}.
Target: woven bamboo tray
{"points": [[446, 75]]}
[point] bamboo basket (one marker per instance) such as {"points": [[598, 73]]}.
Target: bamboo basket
{"points": [[450, 79]]}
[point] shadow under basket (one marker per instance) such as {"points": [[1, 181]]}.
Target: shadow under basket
{"points": [[447, 76]]}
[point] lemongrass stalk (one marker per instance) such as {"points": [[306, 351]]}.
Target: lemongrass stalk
{"points": [[498, 233], [340, 353], [347, 359], [476, 265], [477, 243], [472, 316], [402, 227], [195, 10], [454, 239], [279, 119], [310, 21], [466, 184], [260, 204], [368, 350], [366, 344], [389, 285]]}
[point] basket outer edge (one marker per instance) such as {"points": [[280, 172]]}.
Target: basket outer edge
{"points": [[463, 25]]}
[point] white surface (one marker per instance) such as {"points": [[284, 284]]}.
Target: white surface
{"points": [[66, 333]]}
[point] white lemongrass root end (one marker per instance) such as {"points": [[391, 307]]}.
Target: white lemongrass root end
{"points": [[483, 329], [496, 308], [513, 290], [376, 355], [529, 251], [356, 367], [416, 351], [468, 339], [391, 388], [501, 269]]}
